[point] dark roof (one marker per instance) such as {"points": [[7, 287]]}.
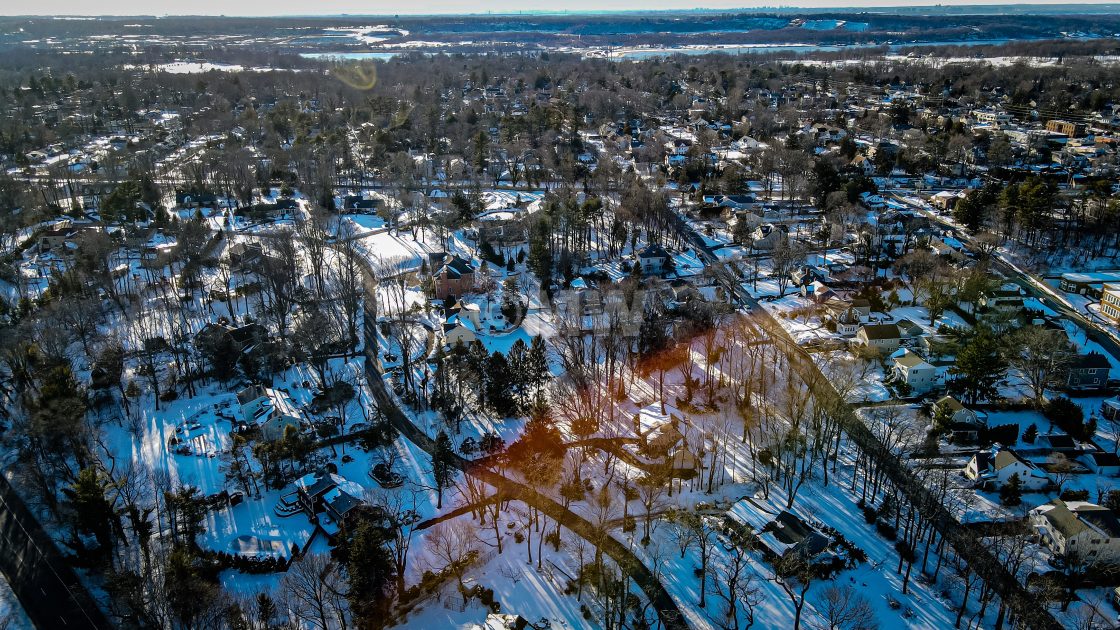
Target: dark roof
{"points": [[653, 250], [1060, 440], [983, 461], [202, 198], [1103, 520], [1091, 361], [359, 202], [246, 334], [1104, 458], [455, 266], [343, 503], [881, 331], [321, 486], [790, 529]]}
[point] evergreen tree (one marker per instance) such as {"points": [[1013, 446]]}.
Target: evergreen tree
{"points": [[518, 363], [1011, 493], [536, 365], [979, 367], [89, 510], [443, 467], [369, 564], [500, 383], [188, 594], [540, 251]]}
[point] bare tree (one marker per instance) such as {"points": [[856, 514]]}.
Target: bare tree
{"points": [[735, 585], [314, 588], [453, 546], [842, 608]]}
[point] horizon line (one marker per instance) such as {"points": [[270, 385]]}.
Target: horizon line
{"points": [[996, 7]]}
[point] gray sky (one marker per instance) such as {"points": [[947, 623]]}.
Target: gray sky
{"points": [[383, 7]]}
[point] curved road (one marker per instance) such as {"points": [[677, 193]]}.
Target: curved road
{"points": [[667, 610]]}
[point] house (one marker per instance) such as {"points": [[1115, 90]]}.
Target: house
{"points": [[766, 237], [1110, 301], [192, 199], [908, 329], [239, 338], [271, 410], [361, 204], [1087, 284], [963, 424], [684, 462], [652, 259], [1101, 462], [658, 427], [997, 465], [660, 440], [862, 307], [821, 292], [92, 194], [1110, 408], [244, 256], [1088, 372], [863, 165], [329, 500], [451, 275], [804, 275], [938, 349], [1078, 531], [879, 338], [57, 239], [955, 411], [847, 323], [873, 201], [1058, 442], [1003, 300], [459, 329], [788, 533], [945, 200], [911, 369], [468, 311]]}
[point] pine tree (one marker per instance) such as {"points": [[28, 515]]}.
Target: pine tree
{"points": [[540, 251], [90, 510], [979, 367], [372, 572], [500, 383], [1011, 493], [536, 365], [443, 469]]}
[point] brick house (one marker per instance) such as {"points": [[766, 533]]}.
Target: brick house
{"points": [[451, 276]]}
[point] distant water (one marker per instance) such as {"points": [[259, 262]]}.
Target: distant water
{"points": [[380, 56], [655, 52], [797, 48]]}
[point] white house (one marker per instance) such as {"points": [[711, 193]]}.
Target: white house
{"points": [[270, 409], [882, 338], [459, 329], [999, 464], [957, 412], [847, 324], [911, 369], [1078, 531]]}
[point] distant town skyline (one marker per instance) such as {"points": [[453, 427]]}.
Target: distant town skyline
{"points": [[265, 8]]}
